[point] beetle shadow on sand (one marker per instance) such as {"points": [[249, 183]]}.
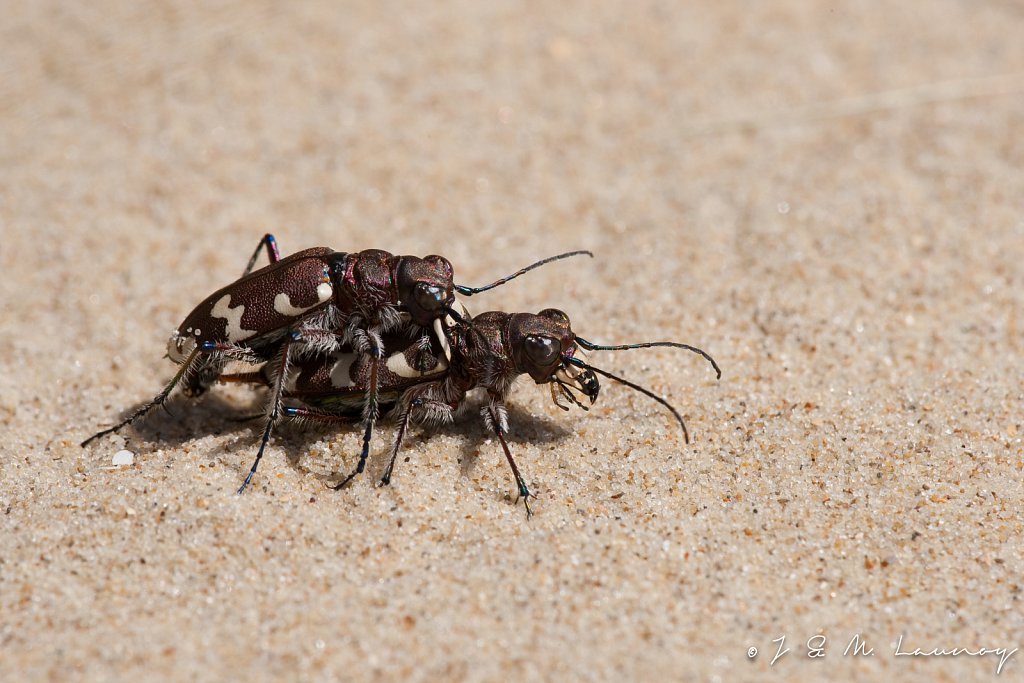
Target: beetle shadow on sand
{"points": [[468, 428], [182, 420], [476, 440]]}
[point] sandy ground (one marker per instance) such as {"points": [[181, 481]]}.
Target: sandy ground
{"points": [[827, 196]]}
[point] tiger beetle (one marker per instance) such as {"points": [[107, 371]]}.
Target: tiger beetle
{"points": [[311, 303], [488, 352]]}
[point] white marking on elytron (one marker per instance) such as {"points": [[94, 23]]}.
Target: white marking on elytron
{"points": [[233, 316], [283, 305], [340, 377], [441, 338], [197, 332], [324, 291], [399, 365]]}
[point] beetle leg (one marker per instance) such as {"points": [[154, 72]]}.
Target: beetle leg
{"points": [[318, 342], [496, 419], [273, 255], [231, 351], [255, 377], [277, 388], [186, 368], [423, 355], [317, 335], [436, 410], [370, 344], [403, 425], [305, 414]]}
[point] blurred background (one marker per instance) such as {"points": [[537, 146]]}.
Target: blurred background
{"points": [[827, 196]]}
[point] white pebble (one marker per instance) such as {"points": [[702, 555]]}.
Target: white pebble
{"points": [[124, 458]]}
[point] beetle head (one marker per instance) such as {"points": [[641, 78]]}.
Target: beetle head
{"points": [[425, 288], [543, 346]]}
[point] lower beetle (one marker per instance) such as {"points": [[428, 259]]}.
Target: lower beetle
{"points": [[488, 352]]}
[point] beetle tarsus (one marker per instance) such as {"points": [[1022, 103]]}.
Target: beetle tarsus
{"points": [[259, 456], [496, 419]]}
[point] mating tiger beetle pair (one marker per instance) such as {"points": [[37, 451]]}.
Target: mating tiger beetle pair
{"points": [[350, 335]]}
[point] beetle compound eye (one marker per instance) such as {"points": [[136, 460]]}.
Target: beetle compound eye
{"points": [[429, 297], [542, 350]]}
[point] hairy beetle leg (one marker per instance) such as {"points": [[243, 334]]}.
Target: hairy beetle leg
{"points": [[397, 445], [314, 415], [157, 400], [370, 411], [496, 418], [431, 410], [254, 377], [403, 425], [275, 406]]}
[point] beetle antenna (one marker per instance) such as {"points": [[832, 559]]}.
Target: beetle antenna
{"points": [[646, 392], [470, 291], [621, 347]]}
